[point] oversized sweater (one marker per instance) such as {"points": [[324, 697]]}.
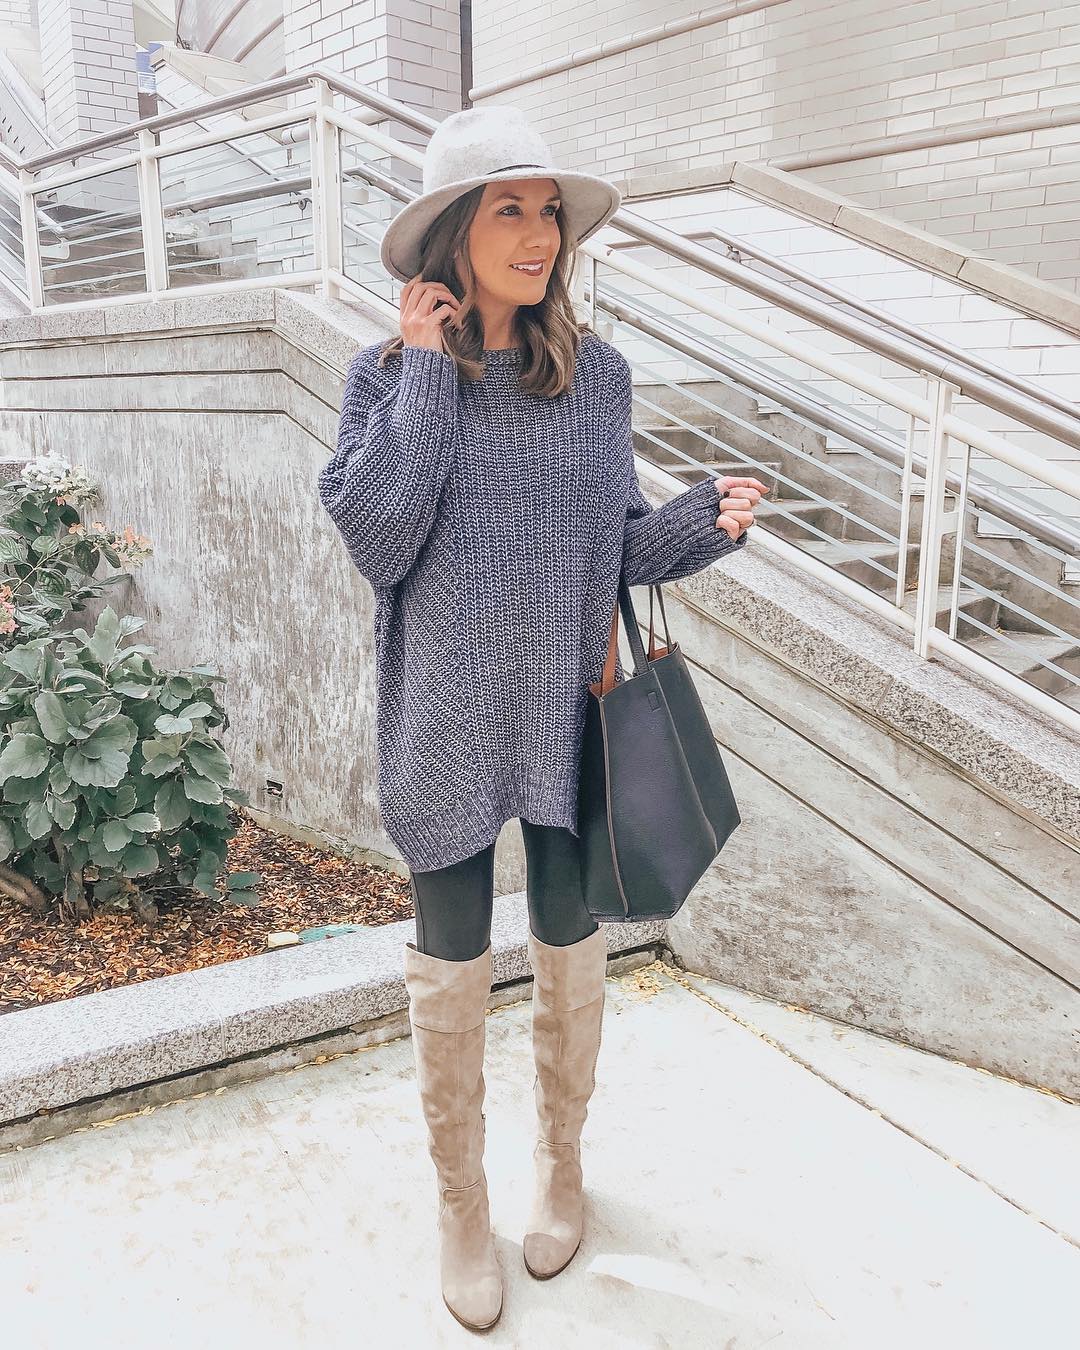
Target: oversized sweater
{"points": [[492, 524]]}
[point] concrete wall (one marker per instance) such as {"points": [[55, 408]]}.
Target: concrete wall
{"points": [[909, 857], [793, 77], [880, 875], [209, 439]]}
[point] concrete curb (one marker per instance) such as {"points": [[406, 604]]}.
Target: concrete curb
{"points": [[79, 1050]]}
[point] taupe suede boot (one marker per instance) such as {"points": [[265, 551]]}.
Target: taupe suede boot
{"points": [[447, 1005], [568, 1008]]}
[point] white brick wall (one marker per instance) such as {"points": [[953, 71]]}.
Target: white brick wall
{"points": [[87, 66], [801, 76], [15, 11], [401, 48]]}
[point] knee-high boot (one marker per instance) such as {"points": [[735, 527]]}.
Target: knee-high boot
{"points": [[447, 1006], [568, 1006]]}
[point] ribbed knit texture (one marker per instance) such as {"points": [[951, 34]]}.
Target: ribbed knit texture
{"points": [[492, 525]]}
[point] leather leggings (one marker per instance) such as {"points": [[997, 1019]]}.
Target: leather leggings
{"points": [[454, 904]]}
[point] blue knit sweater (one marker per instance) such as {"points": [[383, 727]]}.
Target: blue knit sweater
{"points": [[492, 525]]}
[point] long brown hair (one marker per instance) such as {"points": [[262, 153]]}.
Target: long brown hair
{"points": [[549, 330]]}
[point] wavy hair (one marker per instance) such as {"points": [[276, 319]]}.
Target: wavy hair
{"points": [[549, 330]]}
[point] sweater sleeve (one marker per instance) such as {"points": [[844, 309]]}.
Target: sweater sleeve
{"points": [[665, 543], [382, 486]]}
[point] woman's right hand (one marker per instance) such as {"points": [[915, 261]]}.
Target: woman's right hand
{"points": [[422, 316]]}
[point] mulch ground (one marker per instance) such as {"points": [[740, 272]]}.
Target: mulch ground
{"points": [[44, 960]]}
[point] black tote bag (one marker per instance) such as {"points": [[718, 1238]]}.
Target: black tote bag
{"points": [[695, 734], [654, 803]]}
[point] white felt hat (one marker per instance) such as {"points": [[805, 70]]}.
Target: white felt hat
{"points": [[494, 143]]}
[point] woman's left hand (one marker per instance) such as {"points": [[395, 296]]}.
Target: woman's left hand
{"points": [[738, 497]]}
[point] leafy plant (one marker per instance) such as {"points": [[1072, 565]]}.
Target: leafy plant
{"points": [[47, 555], [108, 768], [109, 773]]}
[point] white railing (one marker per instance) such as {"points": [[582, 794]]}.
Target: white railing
{"points": [[933, 472], [314, 218]]}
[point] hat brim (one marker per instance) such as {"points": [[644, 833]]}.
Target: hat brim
{"points": [[588, 203]]}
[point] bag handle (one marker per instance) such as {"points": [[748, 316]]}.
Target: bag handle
{"points": [[654, 651], [637, 650]]}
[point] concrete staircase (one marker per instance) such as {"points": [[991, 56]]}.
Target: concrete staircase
{"points": [[827, 488]]}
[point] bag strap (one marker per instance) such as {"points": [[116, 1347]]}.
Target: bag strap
{"points": [[637, 650], [654, 652], [607, 678], [633, 634]]}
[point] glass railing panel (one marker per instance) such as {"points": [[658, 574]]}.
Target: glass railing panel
{"points": [[1018, 601], [367, 207], [95, 250], [240, 210], [12, 261]]}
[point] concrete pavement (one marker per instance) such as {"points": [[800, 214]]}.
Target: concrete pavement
{"points": [[756, 1177]]}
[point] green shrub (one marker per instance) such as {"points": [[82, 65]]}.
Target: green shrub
{"points": [[48, 557], [108, 768]]}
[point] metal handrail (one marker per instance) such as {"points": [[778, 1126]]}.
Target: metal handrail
{"points": [[1063, 426], [968, 374], [279, 188], [924, 336], [968, 433], [829, 419], [1031, 410], [252, 93], [1029, 406], [955, 369]]}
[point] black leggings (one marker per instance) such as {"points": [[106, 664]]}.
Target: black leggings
{"points": [[454, 904]]}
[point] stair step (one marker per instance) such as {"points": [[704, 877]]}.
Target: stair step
{"points": [[792, 506], [688, 440], [796, 518], [734, 468], [971, 605], [966, 597], [871, 562], [1033, 648], [834, 551]]}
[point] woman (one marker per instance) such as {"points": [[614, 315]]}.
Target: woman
{"points": [[484, 484]]}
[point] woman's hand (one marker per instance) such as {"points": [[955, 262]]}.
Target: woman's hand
{"points": [[422, 317], [738, 497]]}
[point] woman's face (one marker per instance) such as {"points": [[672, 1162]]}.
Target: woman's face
{"points": [[515, 223]]}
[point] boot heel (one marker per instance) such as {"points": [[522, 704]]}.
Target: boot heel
{"points": [[469, 1267]]}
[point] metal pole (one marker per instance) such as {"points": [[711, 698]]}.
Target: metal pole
{"points": [[957, 518], [35, 286], [155, 257], [325, 150], [906, 483], [937, 522]]}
